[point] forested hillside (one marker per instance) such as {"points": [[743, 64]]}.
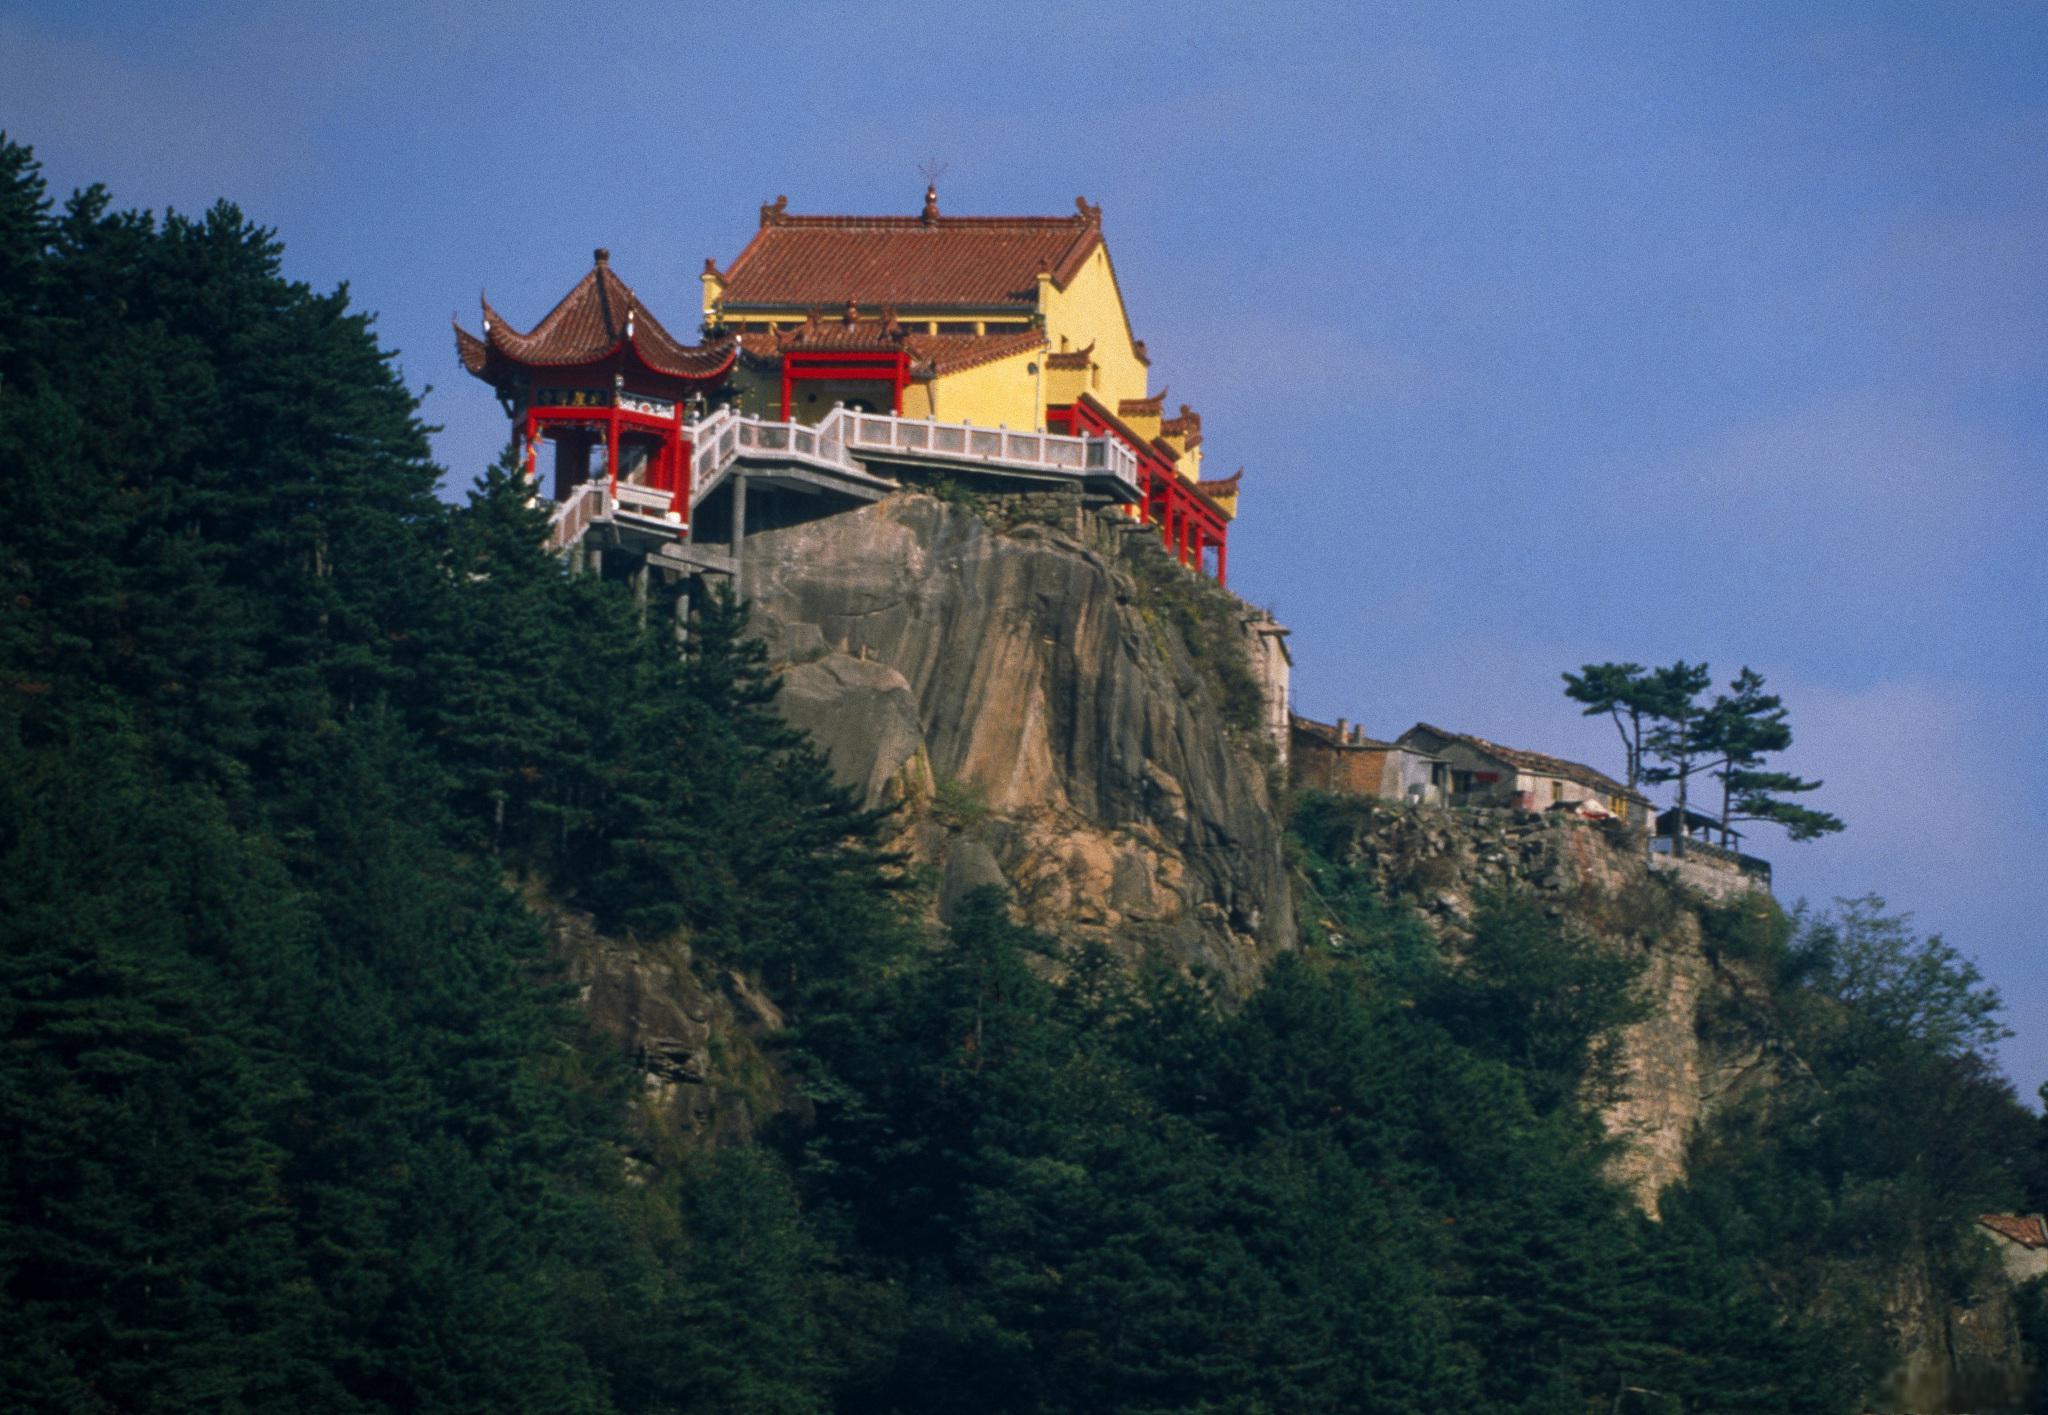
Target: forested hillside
{"points": [[298, 1113]]}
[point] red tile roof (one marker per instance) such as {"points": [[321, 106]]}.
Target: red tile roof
{"points": [[1187, 427], [922, 262], [1142, 407], [931, 354], [2027, 1230], [1328, 735], [593, 321], [1221, 486]]}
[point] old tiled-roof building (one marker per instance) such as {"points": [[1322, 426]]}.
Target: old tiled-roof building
{"points": [[1009, 323], [1340, 757], [2021, 1241], [1483, 773]]}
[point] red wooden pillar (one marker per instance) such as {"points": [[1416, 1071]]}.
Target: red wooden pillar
{"points": [[1223, 558], [787, 388], [897, 383], [532, 450]]}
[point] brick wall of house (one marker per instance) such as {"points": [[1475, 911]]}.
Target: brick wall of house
{"points": [[1320, 766]]}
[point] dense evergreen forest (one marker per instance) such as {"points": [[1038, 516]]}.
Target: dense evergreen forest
{"points": [[297, 1113]]}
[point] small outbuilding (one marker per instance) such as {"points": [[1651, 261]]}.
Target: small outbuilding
{"points": [[1340, 757], [2021, 1241], [1471, 771]]}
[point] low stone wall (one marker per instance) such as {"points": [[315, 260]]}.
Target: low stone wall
{"points": [[1716, 881]]}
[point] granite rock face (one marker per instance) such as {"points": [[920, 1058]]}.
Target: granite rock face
{"points": [[1039, 725], [694, 1033], [1708, 1040]]}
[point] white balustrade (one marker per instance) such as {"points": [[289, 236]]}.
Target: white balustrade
{"points": [[573, 516], [837, 444]]}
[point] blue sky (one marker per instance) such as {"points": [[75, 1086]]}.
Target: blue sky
{"points": [[1546, 333]]}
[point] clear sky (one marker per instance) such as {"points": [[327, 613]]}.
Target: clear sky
{"points": [[1546, 333]]}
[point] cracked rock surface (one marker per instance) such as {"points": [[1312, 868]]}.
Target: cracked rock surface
{"points": [[1040, 728]]}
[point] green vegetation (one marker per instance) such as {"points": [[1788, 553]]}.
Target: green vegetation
{"points": [[1873, 1152], [1209, 620], [299, 1114]]}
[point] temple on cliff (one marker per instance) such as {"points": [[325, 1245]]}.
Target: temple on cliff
{"points": [[837, 354]]}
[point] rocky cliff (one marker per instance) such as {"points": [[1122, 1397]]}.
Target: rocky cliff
{"points": [[1042, 721], [1050, 711], [1708, 1039]]}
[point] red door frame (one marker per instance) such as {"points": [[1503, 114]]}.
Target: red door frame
{"points": [[875, 366]]}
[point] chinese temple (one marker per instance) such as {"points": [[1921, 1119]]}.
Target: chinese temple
{"points": [[839, 353]]}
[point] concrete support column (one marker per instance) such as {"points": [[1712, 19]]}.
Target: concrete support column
{"points": [[739, 534]]}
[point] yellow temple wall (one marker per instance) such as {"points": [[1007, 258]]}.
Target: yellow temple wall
{"points": [[1064, 385], [1003, 393], [1146, 425], [1090, 310]]}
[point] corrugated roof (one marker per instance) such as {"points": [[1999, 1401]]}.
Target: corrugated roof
{"points": [[921, 262]]}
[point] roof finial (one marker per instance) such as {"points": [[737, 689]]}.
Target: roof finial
{"points": [[601, 256], [933, 169], [775, 212]]}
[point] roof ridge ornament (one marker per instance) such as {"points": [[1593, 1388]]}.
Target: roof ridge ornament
{"points": [[1090, 215], [601, 256], [776, 213], [931, 169]]}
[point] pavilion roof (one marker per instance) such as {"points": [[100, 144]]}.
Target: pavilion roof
{"points": [[922, 262], [599, 317]]}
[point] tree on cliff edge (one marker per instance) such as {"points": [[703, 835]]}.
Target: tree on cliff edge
{"points": [[1661, 719]]}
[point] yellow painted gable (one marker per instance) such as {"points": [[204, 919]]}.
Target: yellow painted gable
{"points": [[1091, 311]]}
